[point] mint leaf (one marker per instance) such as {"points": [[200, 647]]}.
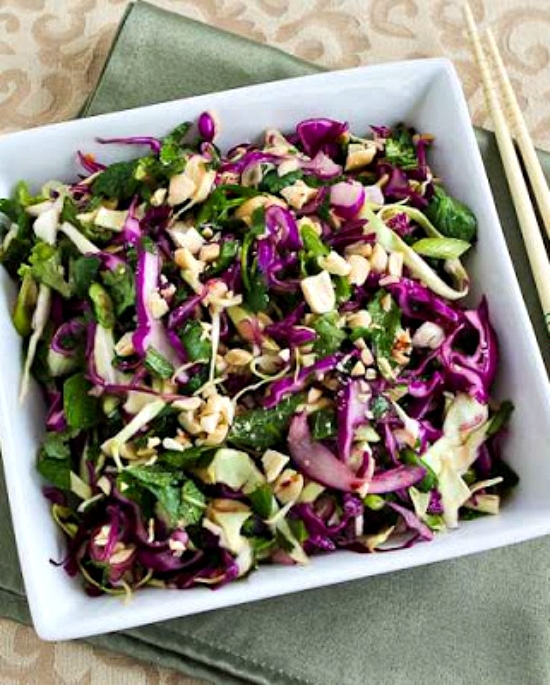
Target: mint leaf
{"points": [[117, 181], [193, 504], [259, 429], [83, 272], [54, 459], [82, 410]]}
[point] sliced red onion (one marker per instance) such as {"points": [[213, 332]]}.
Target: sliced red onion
{"points": [[316, 461], [351, 414], [322, 166], [347, 198], [396, 479]]}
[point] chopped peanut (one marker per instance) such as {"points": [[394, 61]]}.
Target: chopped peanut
{"points": [[209, 253], [360, 319], [288, 486], [379, 259], [395, 264], [359, 269], [335, 264], [319, 293], [361, 249]]}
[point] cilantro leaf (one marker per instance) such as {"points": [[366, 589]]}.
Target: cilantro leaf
{"points": [[386, 321], [198, 347], [273, 183], [228, 253], [329, 336], [451, 217], [172, 148], [500, 418], [379, 407], [182, 504], [120, 283], [45, 267], [221, 201], [400, 149], [256, 297]]}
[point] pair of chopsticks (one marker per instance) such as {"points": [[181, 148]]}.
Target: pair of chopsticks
{"points": [[509, 123]]}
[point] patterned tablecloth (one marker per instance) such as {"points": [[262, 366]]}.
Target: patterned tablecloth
{"points": [[51, 53]]}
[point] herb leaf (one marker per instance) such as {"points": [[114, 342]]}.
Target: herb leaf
{"points": [[45, 267], [198, 348], [386, 320], [451, 217], [82, 410], [117, 181], [157, 364], [329, 336], [323, 424], [400, 149], [273, 183], [54, 459], [259, 429], [83, 272], [120, 283], [261, 500]]}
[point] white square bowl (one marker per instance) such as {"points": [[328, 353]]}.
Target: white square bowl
{"points": [[423, 93]]}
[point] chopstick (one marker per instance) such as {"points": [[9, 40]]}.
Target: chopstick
{"points": [[530, 230], [519, 129]]}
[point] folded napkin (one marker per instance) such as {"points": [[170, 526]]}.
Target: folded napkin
{"points": [[481, 619]]}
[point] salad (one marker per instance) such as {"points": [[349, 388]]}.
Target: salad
{"points": [[254, 356]]}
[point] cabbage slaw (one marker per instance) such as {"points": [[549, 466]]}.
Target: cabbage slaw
{"points": [[256, 356]]}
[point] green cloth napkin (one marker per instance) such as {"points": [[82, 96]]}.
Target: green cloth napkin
{"points": [[481, 619]]}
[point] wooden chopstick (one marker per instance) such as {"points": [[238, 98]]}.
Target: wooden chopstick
{"points": [[521, 134], [530, 230]]}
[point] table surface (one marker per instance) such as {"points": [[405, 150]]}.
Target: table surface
{"points": [[51, 53]]}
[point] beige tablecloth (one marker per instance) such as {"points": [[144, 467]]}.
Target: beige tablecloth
{"points": [[51, 52]]}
